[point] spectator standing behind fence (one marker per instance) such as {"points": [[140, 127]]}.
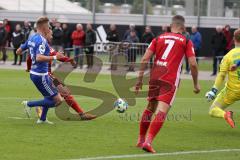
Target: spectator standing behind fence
{"points": [[164, 29], [229, 38], [33, 31], [187, 35], [112, 36], [147, 38], [132, 52], [7, 27], [26, 31], [196, 38], [17, 39], [3, 40], [66, 39], [57, 39], [218, 42], [78, 38], [90, 40]]}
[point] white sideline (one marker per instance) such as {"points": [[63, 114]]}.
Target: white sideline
{"points": [[158, 154]]}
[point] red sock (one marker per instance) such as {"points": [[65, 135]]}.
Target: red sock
{"points": [[144, 124], [73, 104], [155, 126]]}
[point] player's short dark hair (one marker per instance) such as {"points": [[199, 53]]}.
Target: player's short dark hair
{"points": [[41, 21], [178, 20], [237, 35]]}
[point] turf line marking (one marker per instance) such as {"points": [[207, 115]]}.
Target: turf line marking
{"points": [[158, 154], [18, 118]]}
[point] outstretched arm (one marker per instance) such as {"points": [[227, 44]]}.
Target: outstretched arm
{"points": [[224, 68], [22, 48]]}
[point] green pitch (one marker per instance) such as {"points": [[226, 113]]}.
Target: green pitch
{"points": [[188, 128]]}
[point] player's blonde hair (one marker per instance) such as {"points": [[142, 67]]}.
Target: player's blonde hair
{"points": [[42, 21], [237, 35]]}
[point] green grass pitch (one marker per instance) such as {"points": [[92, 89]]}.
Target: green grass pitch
{"points": [[113, 133]]}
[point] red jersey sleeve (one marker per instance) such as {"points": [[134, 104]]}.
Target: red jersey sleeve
{"points": [[189, 49], [153, 45]]}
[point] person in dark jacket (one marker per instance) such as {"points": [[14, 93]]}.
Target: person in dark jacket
{"points": [[17, 39], [90, 40], [57, 39], [66, 39], [3, 41], [187, 35], [7, 26], [148, 35], [147, 38], [218, 46], [26, 31], [112, 35], [229, 38]]}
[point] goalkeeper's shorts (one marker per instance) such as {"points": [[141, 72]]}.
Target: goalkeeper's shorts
{"points": [[227, 97]]}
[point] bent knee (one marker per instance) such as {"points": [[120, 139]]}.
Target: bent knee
{"points": [[58, 100]]}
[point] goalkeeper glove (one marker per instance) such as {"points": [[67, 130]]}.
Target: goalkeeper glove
{"points": [[211, 94]]}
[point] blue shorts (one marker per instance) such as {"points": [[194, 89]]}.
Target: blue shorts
{"points": [[44, 85]]}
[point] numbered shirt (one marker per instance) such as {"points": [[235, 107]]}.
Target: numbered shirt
{"points": [[38, 45], [232, 57], [170, 50]]}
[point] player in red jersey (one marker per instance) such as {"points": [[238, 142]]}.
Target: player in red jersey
{"points": [[169, 50], [63, 90]]}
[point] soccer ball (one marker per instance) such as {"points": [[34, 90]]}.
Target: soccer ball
{"points": [[120, 105]]}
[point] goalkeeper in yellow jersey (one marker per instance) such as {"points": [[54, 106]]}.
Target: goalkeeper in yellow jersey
{"points": [[230, 93]]}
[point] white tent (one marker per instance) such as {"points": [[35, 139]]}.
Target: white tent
{"points": [[61, 6]]}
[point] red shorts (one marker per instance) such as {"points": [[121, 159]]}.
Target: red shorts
{"points": [[161, 91]]}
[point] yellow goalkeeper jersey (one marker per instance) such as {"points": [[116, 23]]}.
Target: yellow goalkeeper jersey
{"points": [[233, 81]]}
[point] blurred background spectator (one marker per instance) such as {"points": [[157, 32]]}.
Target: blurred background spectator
{"points": [[164, 29], [7, 27], [148, 35], [3, 41], [26, 31], [196, 38], [57, 40], [112, 36], [187, 35], [127, 32], [132, 52], [147, 38], [33, 31], [90, 40], [66, 39], [53, 22], [229, 38], [17, 39], [218, 42], [78, 38]]}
